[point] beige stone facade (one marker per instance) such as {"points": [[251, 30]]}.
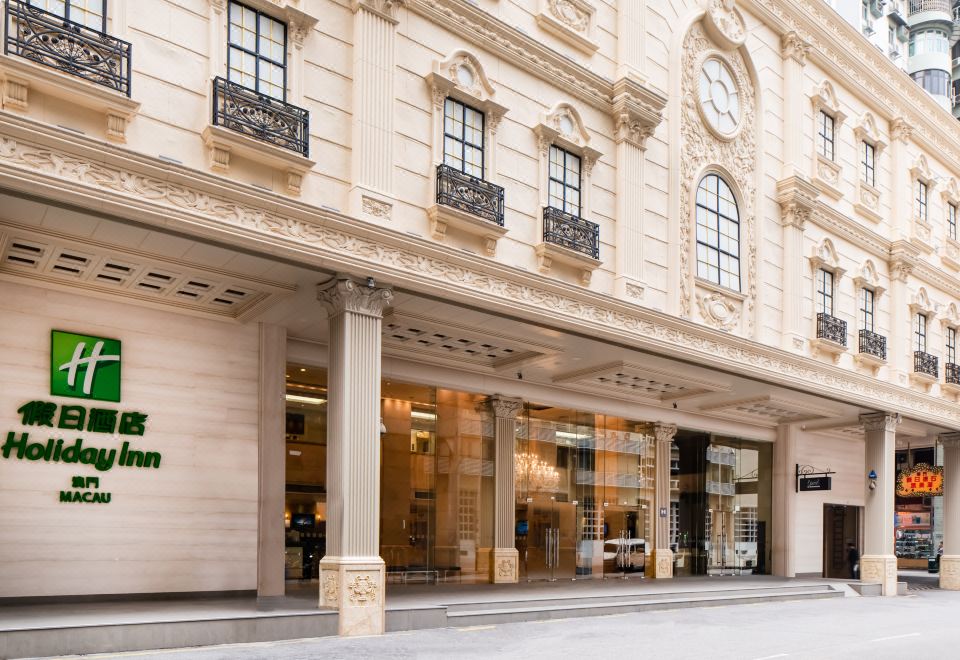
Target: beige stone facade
{"points": [[825, 295]]}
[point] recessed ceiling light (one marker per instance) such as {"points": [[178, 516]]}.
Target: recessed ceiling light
{"points": [[302, 369]]}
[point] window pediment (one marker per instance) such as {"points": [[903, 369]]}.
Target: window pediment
{"points": [[868, 278], [921, 172], [921, 303], [866, 131], [950, 192], [563, 126], [825, 257], [462, 77], [950, 317], [825, 98]]}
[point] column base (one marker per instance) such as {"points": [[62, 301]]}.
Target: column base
{"points": [[660, 564], [950, 572], [504, 566], [882, 570], [354, 586]]}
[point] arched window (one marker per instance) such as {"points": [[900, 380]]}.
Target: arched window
{"points": [[718, 233]]}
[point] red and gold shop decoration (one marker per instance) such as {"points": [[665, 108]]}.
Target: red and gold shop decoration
{"points": [[921, 480]]}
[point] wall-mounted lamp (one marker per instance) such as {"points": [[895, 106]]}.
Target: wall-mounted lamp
{"points": [[873, 480], [383, 427]]}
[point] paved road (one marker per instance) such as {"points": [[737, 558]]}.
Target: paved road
{"points": [[921, 625]]}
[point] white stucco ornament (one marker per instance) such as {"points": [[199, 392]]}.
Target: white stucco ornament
{"points": [[724, 24], [719, 97]]}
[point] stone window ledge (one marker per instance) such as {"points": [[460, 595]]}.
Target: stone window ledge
{"points": [[442, 217], [19, 76], [548, 253], [222, 142]]}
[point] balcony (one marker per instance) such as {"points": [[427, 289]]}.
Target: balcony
{"points": [[920, 6], [469, 204], [873, 347], [47, 39], [260, 128], [570, 240], [924, 363], [931, 13], [832, 329], [952, 373]]}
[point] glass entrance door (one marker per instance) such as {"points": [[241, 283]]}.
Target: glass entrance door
{"points": [[548, 546]]}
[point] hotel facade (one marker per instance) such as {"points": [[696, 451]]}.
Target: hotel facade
{"points": [[375, 292]]}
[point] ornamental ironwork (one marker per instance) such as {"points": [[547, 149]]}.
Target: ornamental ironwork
{"points": [[469, 194], [45, 38], [952, 373], [260, 116], [831, 328], [924, 363], [873, 344], [570, 231]]}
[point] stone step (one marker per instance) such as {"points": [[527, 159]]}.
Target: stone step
{"points": [[867, 588]]}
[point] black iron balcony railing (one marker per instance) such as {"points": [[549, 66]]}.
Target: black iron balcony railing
{"points": [[260, 116], [952, 373], [48, 39], [569, 231], [469, 194], [924, 363], [873, 344], [831, 328]]}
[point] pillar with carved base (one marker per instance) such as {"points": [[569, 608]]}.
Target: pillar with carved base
{"points": [[504, 558], [352, 574], [661, 562], [950, 560], [878, 563]]}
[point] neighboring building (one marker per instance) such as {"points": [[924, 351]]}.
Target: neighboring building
{"points": [[426, 290]]}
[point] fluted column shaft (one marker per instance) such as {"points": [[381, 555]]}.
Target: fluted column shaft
{"points": [[504, 562], [352, 573], [272, 454], [794, 51], [784, 500], [950, 560], [629, 210], [878, 563], [662, 564]]}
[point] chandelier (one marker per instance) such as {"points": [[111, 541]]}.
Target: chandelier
{"points": [[537, 473]]}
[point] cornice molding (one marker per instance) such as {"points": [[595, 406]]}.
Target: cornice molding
{"points": [[482, 29], [40, 160], [863, 70]]}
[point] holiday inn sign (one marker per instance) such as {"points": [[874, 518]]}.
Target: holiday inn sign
{"points": [[81, 367]]}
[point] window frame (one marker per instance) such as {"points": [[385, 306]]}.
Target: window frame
{"points": [[823, 296], [67, 5], [564, 185], [921, 201], [698, 206], [256, 54], [868, 308], [824, 121], [868, 164], [951, 221], [920, 332], [950, 344], [461, 140]]}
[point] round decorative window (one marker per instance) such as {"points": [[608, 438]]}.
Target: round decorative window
{"points": [[719, 97]]}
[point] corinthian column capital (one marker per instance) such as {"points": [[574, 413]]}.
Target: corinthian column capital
{"points": [[951, 440], [664, 432], [505, 407], [387, 9], [342, 293], [879, 422]]}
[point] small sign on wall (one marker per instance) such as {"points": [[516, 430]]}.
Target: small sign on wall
{"points": [[815, 483]]}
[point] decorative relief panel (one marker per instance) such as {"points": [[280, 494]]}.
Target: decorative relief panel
{"points": [[571, 20], [704, 146], [719, 311], [724, 25], [362, 590]]}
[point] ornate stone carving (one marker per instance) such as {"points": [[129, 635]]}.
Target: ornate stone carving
{"points": [[794, 47], [724, 24], [633, 130], [901, 130], [362, 590], [634, 291], [702, 149], [570, 14], [664, 567], [664, 432], [387, 9], [328, 234], [505, 568], [869, 198], [331, 589], [376, 207], [900, 270], [879, 422], [718, 311], [341, 293], [505, 407], [951, 440]]}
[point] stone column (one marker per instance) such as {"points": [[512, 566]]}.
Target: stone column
{"points": [[352, 572], [900, 348], [878, 564], [794, 51], [272, 463], [374, 33], [950, 561], [504, 559], [784, 501], [661, 564], [901, 216]]}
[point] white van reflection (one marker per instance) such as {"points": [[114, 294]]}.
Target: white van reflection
{"points": [[631, 553]]}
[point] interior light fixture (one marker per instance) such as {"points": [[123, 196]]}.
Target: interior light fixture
{"points": [[422, 414], [310, 400]]}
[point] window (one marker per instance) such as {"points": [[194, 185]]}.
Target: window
{"points": [[920, 333], [929, 41], [920, 203], [867, 321], [952, 345], [891, 37], [257, 54], [463, 138], [825, 125], [89, 13], [718, 233], [564, 193], [824, 292], [869, 163], [865, 14], [934, 81], [952, 221]]}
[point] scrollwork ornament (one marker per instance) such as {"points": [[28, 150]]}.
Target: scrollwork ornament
{"points": [[344, 294], [570, 15], [718, 311], [724, 24], [362, 590]]}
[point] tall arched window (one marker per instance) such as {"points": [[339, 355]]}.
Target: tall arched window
{"points": [[718, 233]]}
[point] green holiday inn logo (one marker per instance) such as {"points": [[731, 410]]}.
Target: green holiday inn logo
{"points": [[84, 367]]}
